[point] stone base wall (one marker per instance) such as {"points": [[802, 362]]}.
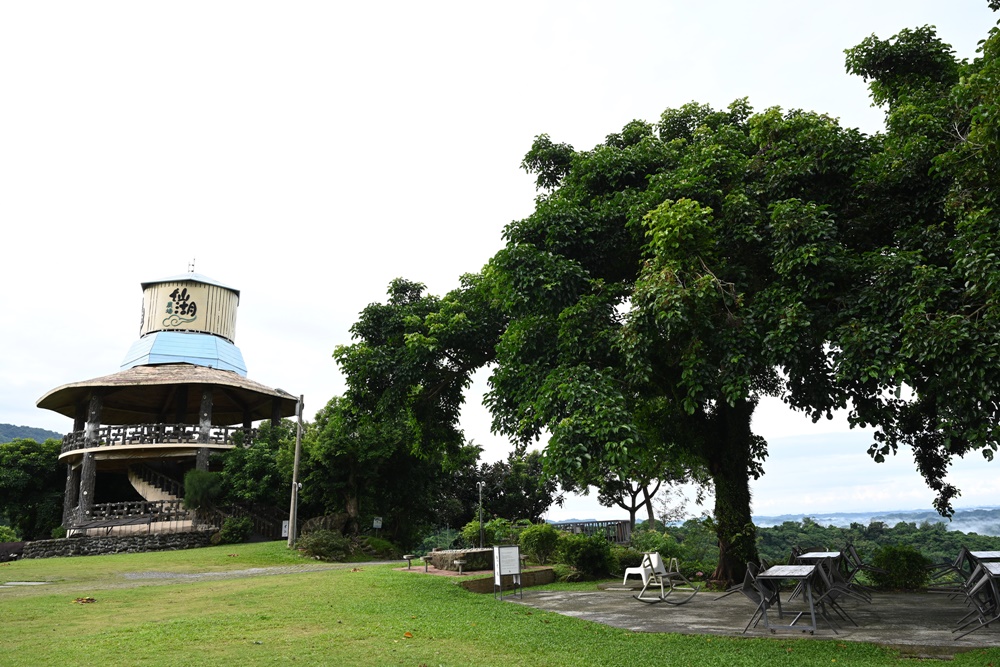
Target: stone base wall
{"points": [[96, 546], [475, 559], [539, 577]]}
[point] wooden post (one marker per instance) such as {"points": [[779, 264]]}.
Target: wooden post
{"points": [[88, 467], [70, 499], [293, 512]]}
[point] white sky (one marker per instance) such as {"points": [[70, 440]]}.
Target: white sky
{"points": [[308, 153]]}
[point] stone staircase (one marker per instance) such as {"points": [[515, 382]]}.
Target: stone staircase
{"points": [[153, 485]]}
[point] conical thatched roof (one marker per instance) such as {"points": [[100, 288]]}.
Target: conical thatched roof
{"points": [[148, 394]]}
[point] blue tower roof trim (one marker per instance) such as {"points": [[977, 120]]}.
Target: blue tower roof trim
{"points": [[195, 277], [180, 347]]}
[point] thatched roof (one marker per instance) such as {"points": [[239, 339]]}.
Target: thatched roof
{"points": [[148, 394]]}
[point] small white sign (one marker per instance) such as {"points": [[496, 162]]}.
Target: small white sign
{"points": [[284, 528], [377, 523]]}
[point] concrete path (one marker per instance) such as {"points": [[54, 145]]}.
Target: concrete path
{"points": [[918, 624]]}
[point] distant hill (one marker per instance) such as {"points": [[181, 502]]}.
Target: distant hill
{"points": [[10, 432], [981, 520]]}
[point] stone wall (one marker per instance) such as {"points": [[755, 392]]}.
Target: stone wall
{"points": [[95, 546], [475, 559], [536, 577]]}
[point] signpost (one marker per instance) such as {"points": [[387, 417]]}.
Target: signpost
{"points": [[506, 563]]}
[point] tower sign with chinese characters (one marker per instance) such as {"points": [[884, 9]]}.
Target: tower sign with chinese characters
{"points": [[178, 304]]}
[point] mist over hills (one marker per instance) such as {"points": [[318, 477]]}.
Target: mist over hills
{"points": [[980, 520]]}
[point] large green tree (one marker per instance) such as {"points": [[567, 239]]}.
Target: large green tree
{"points": [[518, 488], [676, 273], [653, 295], [31, 486]]}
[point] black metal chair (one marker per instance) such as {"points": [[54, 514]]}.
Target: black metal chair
{"points": [[762, 593]]}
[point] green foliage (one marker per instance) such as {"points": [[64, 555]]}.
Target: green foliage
{"points": [[933, 540], [58, 533], [261, 472], [625, 557], [201, 489], [8, 534], [539, 542], [380, 548], [652, 540], [518, 488], [440, 539], [326, 545], [495, 531], [363, 466], [31, 487], [903, 568], [235, 530], [588, 554]]}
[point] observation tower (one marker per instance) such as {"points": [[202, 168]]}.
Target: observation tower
{"points": [[181, 393]]}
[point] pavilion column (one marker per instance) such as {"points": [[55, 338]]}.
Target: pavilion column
{"points": [[205, 426], [275, 412], [88, 467]]}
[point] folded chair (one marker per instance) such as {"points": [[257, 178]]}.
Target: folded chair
{"points": [[832, 592], [983, 595], [761, 593], [952, 578]]}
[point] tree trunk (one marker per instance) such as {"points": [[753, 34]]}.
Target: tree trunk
{"points": [[651, 516], [352, 506], [729, 458]]}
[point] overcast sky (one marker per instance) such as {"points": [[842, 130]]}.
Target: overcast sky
{"points": [[308, 153]]}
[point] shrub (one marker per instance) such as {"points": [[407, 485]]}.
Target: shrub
{"points": [[442, 539], [624, 558], [495, 531], [539, 541], [58, 533], [903, 568], [325, 545], [590, 555], [7, 534], [652, 540], [381, 548], [235, 530]]}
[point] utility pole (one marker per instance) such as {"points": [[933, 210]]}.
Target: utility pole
{"points": [[293, 512], [480, 485]]}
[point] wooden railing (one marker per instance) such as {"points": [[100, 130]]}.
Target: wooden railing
{"points": [[126, 435], [619, 532]]}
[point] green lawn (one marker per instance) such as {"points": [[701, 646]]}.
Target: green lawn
{"points": [[355, 615]]}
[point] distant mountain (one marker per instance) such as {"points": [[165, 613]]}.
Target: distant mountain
{"points": [[10, 432], [981, 520]]}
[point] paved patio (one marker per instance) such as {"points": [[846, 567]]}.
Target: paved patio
{"points": [[917, 624]]}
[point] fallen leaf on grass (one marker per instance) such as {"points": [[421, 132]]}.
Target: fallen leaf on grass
{"points": [[232, 555], [408, 635], [84, 600], [355, 569]]}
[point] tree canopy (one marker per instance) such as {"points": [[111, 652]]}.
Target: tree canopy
{"points": [[676, 273], [31, 485]]}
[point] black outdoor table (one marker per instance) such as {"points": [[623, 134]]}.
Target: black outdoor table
{"points": [[799, 573], [985, 556]]}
